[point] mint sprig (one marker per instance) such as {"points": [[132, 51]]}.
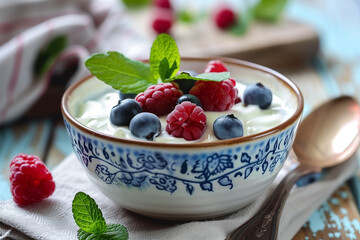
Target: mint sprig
{"points": [[91, 222], [164, 47], [120, 72], [47, 55], [213, 76], [269, 10], [165, 71], [130, 76], [243, 22]]}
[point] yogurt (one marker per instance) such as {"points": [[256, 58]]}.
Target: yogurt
{"points": [[92, 109]]}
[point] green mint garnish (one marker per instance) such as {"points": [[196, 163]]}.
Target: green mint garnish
{"points": [[213, 76], [113, 232], [91, 222], [269, 10], [130, 76], [164, 47], [120, 72], [243, 22], [165, 71], [48, 54], [87, 215]]}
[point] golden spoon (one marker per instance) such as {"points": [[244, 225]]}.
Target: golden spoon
{"points": [[326, 137]]}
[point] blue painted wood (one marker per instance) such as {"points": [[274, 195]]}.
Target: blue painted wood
{"points": [[338, 224], [29, 138]]}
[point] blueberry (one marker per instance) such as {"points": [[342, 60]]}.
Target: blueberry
{"points": [[127, 95], [145, 125], [124, 111], [186, 84], [228, 126], [257, 94], [190, 98]]}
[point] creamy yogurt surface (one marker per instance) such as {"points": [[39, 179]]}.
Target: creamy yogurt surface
{"points": [[93, 108]]}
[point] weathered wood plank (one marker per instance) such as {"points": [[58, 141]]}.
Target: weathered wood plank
{"points": [[337, 218], [60, 147], [286, 43]]}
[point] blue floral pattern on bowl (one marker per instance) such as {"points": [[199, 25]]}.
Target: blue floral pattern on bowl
{"points": [[166, 170]]}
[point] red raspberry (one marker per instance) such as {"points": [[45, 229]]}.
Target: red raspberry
{"points": [[162, 3], [187, 120], [30, 179], [224, 17], [215, 96], [159, 99], [163, 21], [237, 99], [215, 66]]}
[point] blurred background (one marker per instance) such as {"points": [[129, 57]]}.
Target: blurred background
{"points": [[44, 43]]}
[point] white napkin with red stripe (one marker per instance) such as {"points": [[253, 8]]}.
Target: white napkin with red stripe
{"points": [[28, 27], [52, 218]]}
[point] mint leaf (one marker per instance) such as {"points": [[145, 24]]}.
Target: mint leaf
{"points": [[213, 76], [243, 22], [269, 10], [163, 68], [113, 232], [120, 72], [48, 54], [87, 215], [165, 71], [164, 46], [186, 16]]}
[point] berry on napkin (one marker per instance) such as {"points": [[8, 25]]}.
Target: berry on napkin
{"points": [[30, 179]]}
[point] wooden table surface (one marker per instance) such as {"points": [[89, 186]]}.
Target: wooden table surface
{"points": [[334, 71]]}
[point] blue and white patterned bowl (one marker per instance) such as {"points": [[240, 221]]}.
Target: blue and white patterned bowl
{"points": [[188, 181]]}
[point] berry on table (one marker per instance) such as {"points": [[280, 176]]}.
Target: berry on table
{"points": [[229, 126], [30, 179], [257, 94], [190, 98], [122, 113], [215, 66], [159, 99], [224, 17], [215, 96], [163, 20], [186, 121], [162, 3], [145, 125]]}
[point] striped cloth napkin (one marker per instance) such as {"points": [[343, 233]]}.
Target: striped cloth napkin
{"points": [[39, 38]]}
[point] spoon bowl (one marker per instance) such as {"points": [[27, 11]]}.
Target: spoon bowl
{"points": [[330, 135], [326, 137]]}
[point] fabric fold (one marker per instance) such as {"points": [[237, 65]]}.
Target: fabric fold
{"points": [[52, 218]]}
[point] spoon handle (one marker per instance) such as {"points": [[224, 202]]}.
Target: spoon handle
{"points": [[264, 224]]}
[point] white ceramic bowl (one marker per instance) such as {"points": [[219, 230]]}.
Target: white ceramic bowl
{"points": [[187, 181]]}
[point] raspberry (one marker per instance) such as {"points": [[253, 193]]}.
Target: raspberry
{"points": [[163, 20], [215, 96], [162, 4], [187, 120], [30, 179], [237, 99], [224, 18], [215, 66], [159, 99]]}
